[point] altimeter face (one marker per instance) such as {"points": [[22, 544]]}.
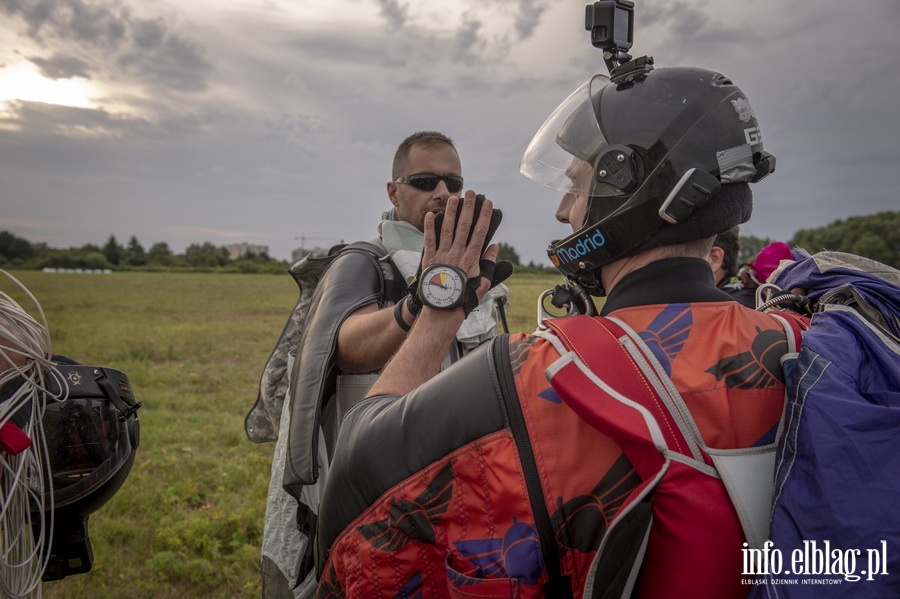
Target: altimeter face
{"points": [[442, 287]]}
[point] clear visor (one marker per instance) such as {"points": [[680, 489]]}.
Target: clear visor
{"points": [[562, 153]]}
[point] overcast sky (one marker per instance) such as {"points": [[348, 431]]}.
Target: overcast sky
{"points": [[267, 121]]}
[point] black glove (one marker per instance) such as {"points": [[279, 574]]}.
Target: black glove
{"points": [[496, 217], [495, 272]]}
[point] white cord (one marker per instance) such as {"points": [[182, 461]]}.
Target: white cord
{"points": [[25, 492]]}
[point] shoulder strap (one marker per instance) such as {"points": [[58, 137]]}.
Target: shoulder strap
{"points": [[595, 340], [607, 389], [395, 286], [372, 247], [793, 324]]}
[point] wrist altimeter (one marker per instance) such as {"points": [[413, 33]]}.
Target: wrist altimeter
{"points": [[443, 287]]}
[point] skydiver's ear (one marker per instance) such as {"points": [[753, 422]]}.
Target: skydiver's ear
{"points": [[392, 189], [716, 257]]}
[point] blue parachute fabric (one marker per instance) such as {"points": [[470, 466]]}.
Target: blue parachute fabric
{"points": [[836, 515], [824, 272]]}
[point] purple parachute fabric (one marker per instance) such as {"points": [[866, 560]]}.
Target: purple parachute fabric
{"points": [[836, 514]]}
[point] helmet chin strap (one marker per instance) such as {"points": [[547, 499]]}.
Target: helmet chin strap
{"points": [[573, 295]]}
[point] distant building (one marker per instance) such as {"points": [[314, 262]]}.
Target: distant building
{"points": [[300, 253], [241, 250]]}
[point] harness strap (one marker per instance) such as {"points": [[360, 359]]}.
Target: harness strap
{"points": [[679, 521], [595, 341]]}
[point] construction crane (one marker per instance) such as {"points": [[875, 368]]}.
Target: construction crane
{"points": [[304, 238]]}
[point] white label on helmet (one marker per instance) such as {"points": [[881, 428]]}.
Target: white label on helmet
{"points": [[743, 110], [752, 135]]}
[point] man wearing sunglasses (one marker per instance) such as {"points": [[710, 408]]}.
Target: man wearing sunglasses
{"points": [[426, 171], [360, 316]]}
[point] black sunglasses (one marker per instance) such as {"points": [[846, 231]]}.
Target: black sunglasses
{"points": [[429, 181]]}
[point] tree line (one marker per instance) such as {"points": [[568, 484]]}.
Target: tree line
{"points": [[875, 236], [18, 253]]}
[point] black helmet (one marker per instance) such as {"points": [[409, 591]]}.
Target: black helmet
{"points": [[92, 437], [656, 152]]}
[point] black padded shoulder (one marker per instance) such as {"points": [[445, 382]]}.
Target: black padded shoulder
{"points": [[353, 280], [394, 286]]}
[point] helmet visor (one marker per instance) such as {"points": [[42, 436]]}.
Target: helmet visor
{"points": [[87, 445], [562, 153]]}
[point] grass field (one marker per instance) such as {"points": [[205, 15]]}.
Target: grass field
{"points": [[188, 521]]}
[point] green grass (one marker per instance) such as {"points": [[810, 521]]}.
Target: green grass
{"points": [[188, 521]]}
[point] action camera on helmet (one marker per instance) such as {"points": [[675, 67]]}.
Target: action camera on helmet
{"points": [[611, 23]]}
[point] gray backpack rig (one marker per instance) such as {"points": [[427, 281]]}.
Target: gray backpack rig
{"points": [[263, 419]]}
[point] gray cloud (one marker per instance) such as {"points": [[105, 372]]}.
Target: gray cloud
{"points": [[176, 63], [105, 25], [148, 34], [679, 17], [466, 41], [298, 134], [529, 17], [394, 13], [147, 49], [71, 19], [43, 121], [61, 66]]}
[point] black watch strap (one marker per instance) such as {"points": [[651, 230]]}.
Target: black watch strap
{"points": [[398, 316], [414, 303]]}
